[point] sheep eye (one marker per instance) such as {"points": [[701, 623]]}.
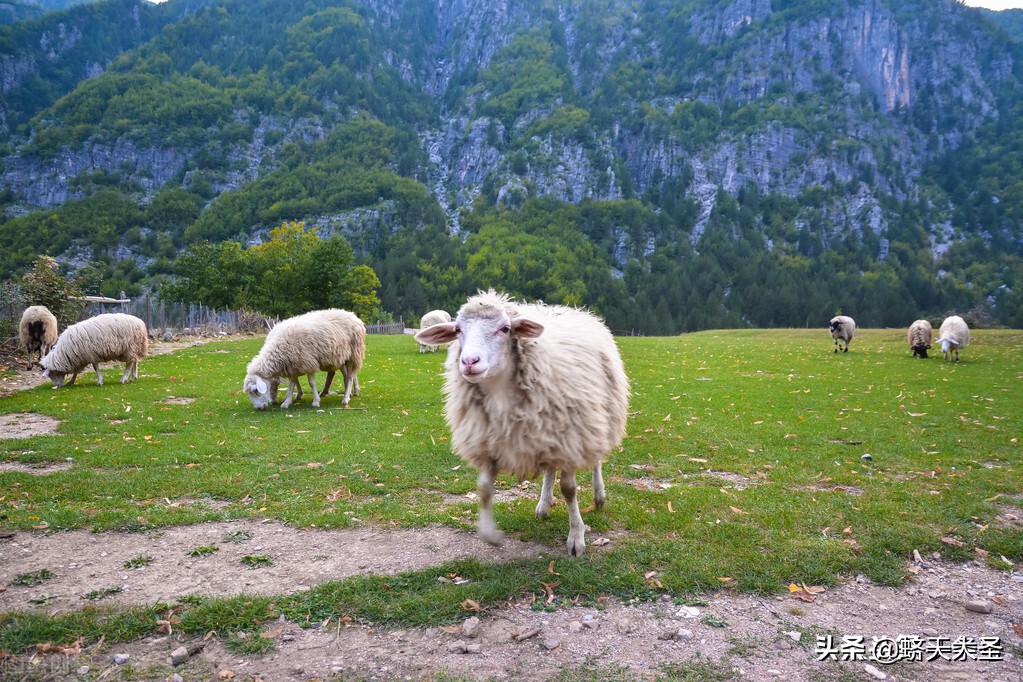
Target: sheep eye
{"points": [[505, 329]]}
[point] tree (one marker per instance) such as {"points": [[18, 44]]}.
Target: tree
{"points": [[43, 285]]}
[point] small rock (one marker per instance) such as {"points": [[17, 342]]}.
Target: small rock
{"points": [[473, 648], [179, 655], [551, 644], [121, 659], [471, 627], [866, 457], [575, 626], [668, 635], [83, 670], [874, 672], [591, 624], [794, 635], [168, 336], [774, 673], [685, 634], [287, 638], [930, 632], [457, 648], [689, 611], [175, 678], [979, 606], [588, 616]]}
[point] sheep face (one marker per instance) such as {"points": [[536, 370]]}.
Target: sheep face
{"points": [[258, 391], [484, 341], [56, 377], [920, 350]]}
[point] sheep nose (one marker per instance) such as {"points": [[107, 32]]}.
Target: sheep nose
{"points": [[470, 360]]}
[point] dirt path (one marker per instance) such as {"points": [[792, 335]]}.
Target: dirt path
{"points": [[746, 637]]}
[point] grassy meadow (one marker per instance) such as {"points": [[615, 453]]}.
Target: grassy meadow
{"points": [[744, 467]]}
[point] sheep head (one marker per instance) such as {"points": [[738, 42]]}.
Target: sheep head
{"points": [[258, 391], [484, 332]]}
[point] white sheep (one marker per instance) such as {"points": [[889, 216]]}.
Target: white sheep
{"points": [[330, 340], [953, 335], [38, 331], [532, 388], [429, 319], [919, 337], [843, 328], [110, 336]]}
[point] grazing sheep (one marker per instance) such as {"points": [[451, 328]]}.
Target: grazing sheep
{"points": [[843, 328], [110, 336], [919, 337], [953, 335], [532, 388], [38, 331], [328, 340], [429, 319]]}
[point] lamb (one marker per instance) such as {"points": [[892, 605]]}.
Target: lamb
{"points": [[110, 336], [38, 331], [330, 340], [532, 388], [953, 334], [429, 319], [843, 328], [919, 337]]}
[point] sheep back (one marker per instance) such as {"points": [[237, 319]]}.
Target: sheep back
{"points": [[567, 402], [38, 329], [919, 337], [106, 337], [954, 332], [319, 340]]}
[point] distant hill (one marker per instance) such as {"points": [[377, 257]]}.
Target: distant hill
{"points": [[675, 164]]}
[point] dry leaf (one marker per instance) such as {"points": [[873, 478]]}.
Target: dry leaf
{"points": [[272, 634], [981, 552], [225, 675], [670, 509], [955, 542], [452, 629], [847, 530], [600, 542], [550, 568], [1018, 628], [549, 588], [736, 510], [469, 605]]}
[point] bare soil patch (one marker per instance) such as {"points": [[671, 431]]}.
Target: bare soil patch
{"points": [[27, 425], [764, 637]]}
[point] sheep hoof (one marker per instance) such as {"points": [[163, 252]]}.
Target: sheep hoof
{"points": [[542, 510], [598, 502], [576, 546], [493, 537]]}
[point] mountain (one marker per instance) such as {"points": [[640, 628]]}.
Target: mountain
{"points": [[698, 162]]}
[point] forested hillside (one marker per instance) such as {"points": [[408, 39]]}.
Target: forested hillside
{"points": [[673, 164]]}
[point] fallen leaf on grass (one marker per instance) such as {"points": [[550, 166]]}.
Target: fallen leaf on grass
{"points": [[272, 634], [470, 605], [670, 509], [736, 510], [955, 542], [549, 588], [550, 568], [600, 542]]}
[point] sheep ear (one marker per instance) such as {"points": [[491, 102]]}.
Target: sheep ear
{"points": [[437, 334], [260, 385], [526, 329]]}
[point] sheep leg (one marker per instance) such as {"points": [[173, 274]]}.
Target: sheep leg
{"points": [[292, 383], [99, 377], [326, 385], [128, 373], [350, 382], [543, 507], [312, 387], [599, 496], [486, 527], [576, 528]]}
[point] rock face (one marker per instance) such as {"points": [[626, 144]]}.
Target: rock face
{"points": [[859, 97]]}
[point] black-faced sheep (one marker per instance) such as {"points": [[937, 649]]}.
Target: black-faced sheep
{"points": [[38, 331], [919, 337], [110, 336], [843, 328], [429, 319], [532, 388], [953, 335], [330, 340]]}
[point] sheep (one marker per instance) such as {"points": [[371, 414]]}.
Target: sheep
{"points": [[953, 335], [919, 337], [110, 336], [843, 328], [429, 319], [531, 388], [330, 340], [38, 331]]}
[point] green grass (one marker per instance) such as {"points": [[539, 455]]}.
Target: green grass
{"points": [[743, 466]]}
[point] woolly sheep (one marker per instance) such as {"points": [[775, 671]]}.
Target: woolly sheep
{"points": [[330, 340], [843, 328], [953, 335], [919, 337], [38, 331], [532, 388], [429, 319], [110, 336]]}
